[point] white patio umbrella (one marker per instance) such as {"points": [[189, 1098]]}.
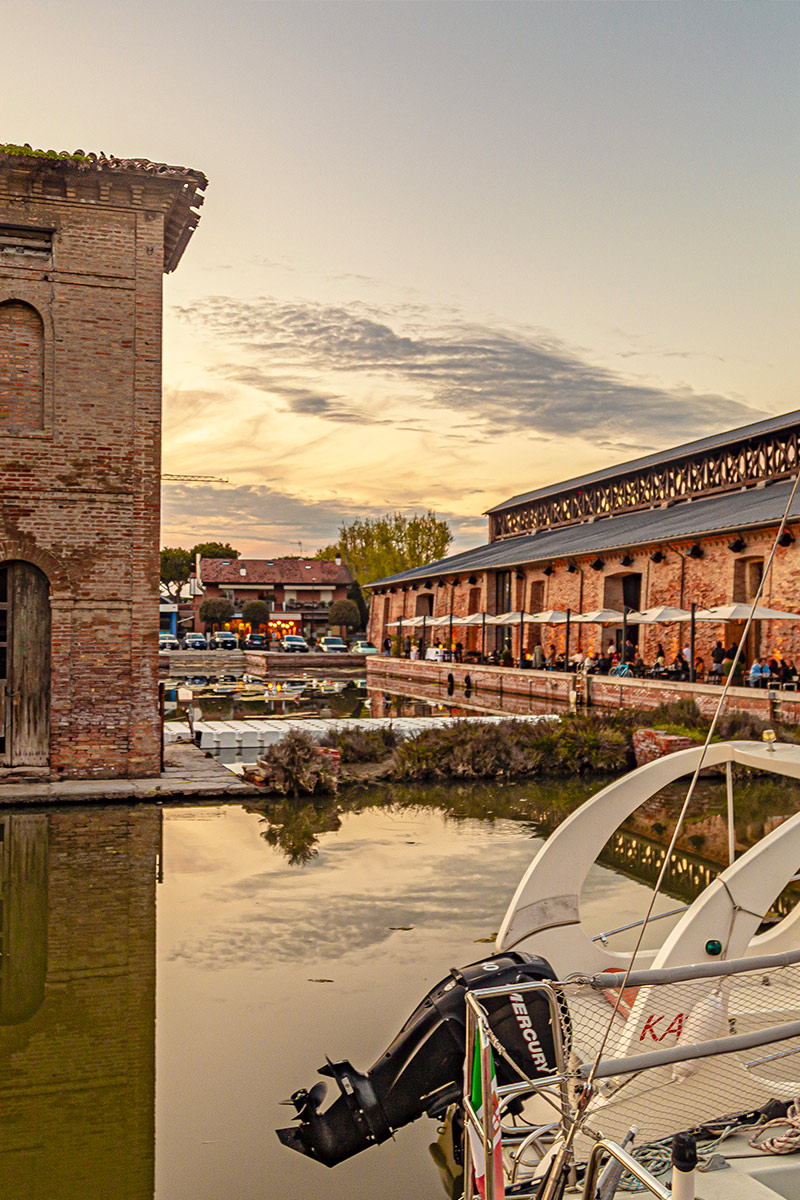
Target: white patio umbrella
{"points": [[740, 612], [600, 616], [411, 622], [550, 616], [512, 618], [662, 615], [515, 618], [665, 614]]}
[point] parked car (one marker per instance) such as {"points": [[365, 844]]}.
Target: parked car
{"points": [[167, 642], [292, 644], [223, 639], [332, 645], [363, 648], [194, 641], [256, 641]]}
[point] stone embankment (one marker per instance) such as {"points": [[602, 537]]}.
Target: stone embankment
{"points": [[184, 663], [519, 692]]}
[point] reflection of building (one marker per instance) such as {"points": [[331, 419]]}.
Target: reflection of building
{"points": [[691, 524], [84, 243], [77, 1004], [299, 591]]}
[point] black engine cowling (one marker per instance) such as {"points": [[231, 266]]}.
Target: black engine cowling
{"points": [[422, 1071]]}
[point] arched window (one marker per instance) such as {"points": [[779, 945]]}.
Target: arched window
{"points": [[21, 368]]}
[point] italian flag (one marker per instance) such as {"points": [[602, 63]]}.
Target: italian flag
{"points": [[478, 1100]]}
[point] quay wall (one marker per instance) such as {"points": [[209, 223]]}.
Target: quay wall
{"points": [[519, 692], [213, 662]]}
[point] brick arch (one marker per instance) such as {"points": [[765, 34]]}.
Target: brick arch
{"points": [[12, 550], [22, 366]]}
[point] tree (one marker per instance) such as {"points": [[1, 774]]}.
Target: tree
{"points": [[213, 550], [256, 613], [355, 594], [175, 567], [344, 612], [215, 611], [379, 546]]}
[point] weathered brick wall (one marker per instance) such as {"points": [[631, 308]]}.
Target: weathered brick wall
{"points": [[650, 744], [80, 497], [77, 1075], [677, 581]]}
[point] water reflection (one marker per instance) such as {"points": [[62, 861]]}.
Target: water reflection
{"points": [[285, 933], [77, 1004]]}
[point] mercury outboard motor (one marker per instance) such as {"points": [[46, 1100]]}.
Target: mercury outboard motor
{"points": [[423, 1069]]}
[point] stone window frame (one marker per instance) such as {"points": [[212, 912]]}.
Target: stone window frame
{"points": [[40, 298]]}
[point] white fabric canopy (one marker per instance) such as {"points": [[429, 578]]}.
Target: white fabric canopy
{"points": [[411, 622], [512, 618], [600, 616], [472, 619], [550, 616], [661, 615], [740, 612]]}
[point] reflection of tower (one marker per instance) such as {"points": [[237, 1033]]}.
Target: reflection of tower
{"points": [[77, 1004], [23, 916]]}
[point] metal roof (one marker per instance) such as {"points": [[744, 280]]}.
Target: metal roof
{"points": [[743, 433], [734, 511]]}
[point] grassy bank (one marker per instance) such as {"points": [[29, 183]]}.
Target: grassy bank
{"points": [[586, 743]]}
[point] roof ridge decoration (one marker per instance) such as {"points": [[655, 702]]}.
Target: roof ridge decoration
{"points": [[760, 452]]}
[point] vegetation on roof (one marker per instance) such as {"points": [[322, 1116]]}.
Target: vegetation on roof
{"points": [[27, 151]]}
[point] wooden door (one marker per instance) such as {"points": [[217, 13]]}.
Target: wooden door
{"points": [[24, 666]]}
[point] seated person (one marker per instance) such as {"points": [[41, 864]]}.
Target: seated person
{"points": [[679, 667], [766, 674], [699, 667], [638, 666], [754, 674], [603, 665]]}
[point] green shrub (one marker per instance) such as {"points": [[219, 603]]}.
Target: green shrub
{"points": [[296, 767], [362, 745]]}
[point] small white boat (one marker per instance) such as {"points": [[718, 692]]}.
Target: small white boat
{"points": [[700, 1032]]}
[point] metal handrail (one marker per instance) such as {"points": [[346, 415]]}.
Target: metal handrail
{"points": [[603, 937], [630, 1164]]}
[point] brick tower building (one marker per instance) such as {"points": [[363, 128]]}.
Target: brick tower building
{"points": [[84, 242]]}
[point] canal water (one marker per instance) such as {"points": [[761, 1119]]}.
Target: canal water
{"points": [[168, 976]]}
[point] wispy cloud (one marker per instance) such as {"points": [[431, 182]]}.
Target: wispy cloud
{"points": [[498, 381], [265, 520]]}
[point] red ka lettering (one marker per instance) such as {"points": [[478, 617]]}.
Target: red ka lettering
{"points": [[650, 1026]]}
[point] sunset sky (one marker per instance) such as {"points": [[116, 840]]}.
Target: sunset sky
{"points": [[450, 251]]}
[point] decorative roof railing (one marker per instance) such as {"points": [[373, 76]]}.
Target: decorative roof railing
{"points": [[767, 458]]}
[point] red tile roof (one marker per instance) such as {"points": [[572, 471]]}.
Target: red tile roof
{"points": [[274, 570], [187, 185], [84, 161]]}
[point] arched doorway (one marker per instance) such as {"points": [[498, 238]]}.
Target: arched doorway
{"points": [[24, 666]]}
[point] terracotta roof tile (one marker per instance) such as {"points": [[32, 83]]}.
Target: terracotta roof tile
{"points": [[274, 570], [83, 161]]}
